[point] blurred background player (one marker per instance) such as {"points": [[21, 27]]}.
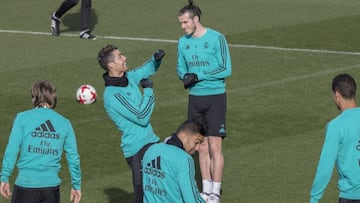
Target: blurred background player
{"points": [[203, 64], [341, 145], [85, 32], [40, 135], [128, 108], [168, 168]]}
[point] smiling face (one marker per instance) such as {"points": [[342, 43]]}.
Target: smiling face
{"points": [[117, 67], [188, 24]]}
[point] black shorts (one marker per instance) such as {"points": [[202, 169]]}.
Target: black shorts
{"points": [[38, 195], [211, 110]]}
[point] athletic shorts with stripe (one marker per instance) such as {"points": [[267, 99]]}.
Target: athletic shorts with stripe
{"points": [[211, 110]]}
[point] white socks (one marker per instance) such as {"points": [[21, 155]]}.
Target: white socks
{"points": [[211, 187], [207, 186], [216, 186]]}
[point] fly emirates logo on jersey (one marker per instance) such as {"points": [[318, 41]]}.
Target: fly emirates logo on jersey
{"points": [[46, 132], [153, 168], [197, 62]]}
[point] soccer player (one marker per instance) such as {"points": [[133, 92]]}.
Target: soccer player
{"points": [[128, 108], [341, 145], [65, 6], [40, 135], [203, 64], [168, 168]]}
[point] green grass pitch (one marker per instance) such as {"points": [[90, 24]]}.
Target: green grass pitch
{"points": [[284, 55]]}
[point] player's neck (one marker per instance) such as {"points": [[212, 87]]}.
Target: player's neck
{"points": [[200, 31], [116, 74], [347, 104], [44, 105]]}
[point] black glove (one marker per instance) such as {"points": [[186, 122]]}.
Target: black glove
{"points": [[190, 79], [146, 83], [159, 54]]}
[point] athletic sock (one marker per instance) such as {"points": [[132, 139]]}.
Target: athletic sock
{"points": [[207, 186], [216, 186]]}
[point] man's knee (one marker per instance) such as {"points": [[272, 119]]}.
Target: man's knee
{"points": [[215, 144], [204, 147]]}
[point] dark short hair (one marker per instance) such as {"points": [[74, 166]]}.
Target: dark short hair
{"points": [[105, 56], [192, 9], [345, 85], [192, 127]]}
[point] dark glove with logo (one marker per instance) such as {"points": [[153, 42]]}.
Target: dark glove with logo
{"points": [[146, 83], [159, 54], [189, 80]]}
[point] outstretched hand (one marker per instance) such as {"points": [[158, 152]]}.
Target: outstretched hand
{"points": [[159, 54]]}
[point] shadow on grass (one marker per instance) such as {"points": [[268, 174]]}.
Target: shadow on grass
{"points": [[117, 195], [71, 21]]}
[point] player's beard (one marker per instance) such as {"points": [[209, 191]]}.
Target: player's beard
{"points": [[338, 106], [193, 31]]}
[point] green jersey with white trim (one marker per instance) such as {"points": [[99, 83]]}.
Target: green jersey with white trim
{"points": [[131, 110], [209, 58], [169, 175], [41, 135], [341, 148]]}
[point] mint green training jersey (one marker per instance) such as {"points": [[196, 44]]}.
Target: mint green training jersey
{"points": [[208, 57], [131, 110], [41, 135], [169, 175], [341, 148]]}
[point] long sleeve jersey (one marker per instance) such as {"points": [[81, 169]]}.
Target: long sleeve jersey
{"points": [[131, 110], [341, 148], [169, 175], [39, 136], [209, 58]]}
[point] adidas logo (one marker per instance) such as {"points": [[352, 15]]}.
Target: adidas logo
{"points": [[222, 130], [154, 168], [155, 163], [46, 130]]}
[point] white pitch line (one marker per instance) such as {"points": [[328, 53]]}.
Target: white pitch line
{"points": [[175, 41], [323, 51], [268, 84], [292, 79]]}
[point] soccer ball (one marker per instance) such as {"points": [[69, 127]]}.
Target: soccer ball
{"points": [[86, 94]]}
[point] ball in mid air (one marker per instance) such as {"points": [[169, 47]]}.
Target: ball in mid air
{"points": [[86, 94]]}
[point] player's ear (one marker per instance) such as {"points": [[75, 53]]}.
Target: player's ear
{"points": [[32, 100], [337, 95], [111, 65], [196, 19]]}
